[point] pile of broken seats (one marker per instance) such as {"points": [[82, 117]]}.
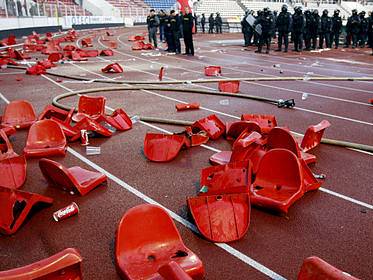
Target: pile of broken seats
{"points": [[139, 43]]}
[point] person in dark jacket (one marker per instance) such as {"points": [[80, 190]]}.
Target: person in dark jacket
{"points": [[245, 29], [370, 31], [315, 28], [195, 17], [308, 21], [325, 30], [298, 26], [218, 23], [162, 16], [336, 28], [188, 32], [363, 29], [211, 23], [283, 25], [153, 23], [175, 27], [265, 20], [353, 28], [168, 34], [203, 22]]}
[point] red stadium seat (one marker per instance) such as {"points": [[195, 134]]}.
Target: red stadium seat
{"points": [[185, 107], [12, 166], [221, 218], [212, 125], [45, 138], [212, 70], [173, 271], [146, 240], [15, 207], [234, 129], [64, 265], [314, 268], [163, 147], [74, 179], [112, 68], [266, 122], [278, 182], [19, 114], [229, 86], [313, 135], [90, 106]]}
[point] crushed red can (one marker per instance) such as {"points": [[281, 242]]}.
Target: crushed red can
{"points": [[84, 137], [66, 212]]}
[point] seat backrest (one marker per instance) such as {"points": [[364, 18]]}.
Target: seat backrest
{"points": [[18, 112], [56, 174], [280, 138], [92, 105], [45, 133]]}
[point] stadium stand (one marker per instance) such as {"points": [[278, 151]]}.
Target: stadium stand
{"points": [[260, 5], [130, 7], [164, 4], [226, 8]]}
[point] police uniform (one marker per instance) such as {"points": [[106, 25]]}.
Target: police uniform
{"points": [[211, 24], [203, 22], [188, 33], [175, 27], [325, 30], [265, 20], [308, 21], [283, 25], [370, 31], [153, 23], [353, 29], [363, 29], [336, 28], [298, 26], [219, 23], [168, 34]]}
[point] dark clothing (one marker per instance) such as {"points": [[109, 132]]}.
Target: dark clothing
{"points": [[266, 21], [162, 19], [188, 33], [336, 29], [363, 31], [168, 34], [175, 28], [298, 28], [219, 24], [325, 30], [370, 31], [211, 24], [315, 29], [153, 23], [353, 29], [203, 22], [283, 25], [245, 26]]}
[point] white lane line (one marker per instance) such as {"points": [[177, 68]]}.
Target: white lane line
{"points": [[4, 98], [232, 251]]}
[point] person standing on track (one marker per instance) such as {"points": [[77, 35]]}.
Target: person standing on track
{"points": [[175, 27], [283, 25], [298, 26], [325, 30], [266, 23], [336, 28], [353, 29], [245, 29], [203, 22], [162, 16], [308, 20], [315, 28], [370, 31], [153, 23], [218, 23], [168, 34], [188, 32], [363, 29], [211, 24]]}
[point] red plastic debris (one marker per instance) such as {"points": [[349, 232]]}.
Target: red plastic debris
{"points": [[278, 182], [163, 147], [138, 45], [74, 179], [15, 207], [112, 44], [173, 271], [221, 218], [136, 38], [75, 56], [64, 265], [107, 52], [36, 70], [19, 113], [221, 158], [313, 135], [11, 40], [51, 47], [90, 106], [87, 42], [226, 179], [371, 101], [189, 106], [148, 46], [212, 70], [47, 64], [119, 120], [138, 254], [229, 86], [314, 268], [212, 125], [88, 53], [69, 48], [266, 122], [45, 138], [234, 129], [54, 57], [91, 126], [7, 61], [12, 166], [195, 139], [161, 73], [112, 68], [20, 55]]}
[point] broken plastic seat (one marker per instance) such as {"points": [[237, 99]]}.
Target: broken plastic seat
{"points": [[136, 38], [91, 126], [65, 265], [234, 129], [163, 147], [75, 56], [314, 268], [278, 182], [226, 179], [88, 53], [112, 68], [36, 70], [47, 64], [19, 113], [221, 218], [87, 42], [185, 107], [119, 120], [16, 205], [162, 71], [212, 70], [69, 48], [74, 179], [138, 45], [12, 166], [229, 86], [212, 125], [55, 57], [90, 106], [112, 44], [313, 135], [146, 240], [7, 61], [195, 139], [45, 138], [173, 271], [107, 52], [266, 122]]}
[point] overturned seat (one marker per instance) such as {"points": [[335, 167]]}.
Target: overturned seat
{"points": [[45, 138], [148, 239], [64, 265], [314, 268], [74, 179], [266, 122], [12, 166], [15, 207], [212, 125], [221, 218], [19, 114], [90, 106], [163, 147], [278, 182], [313, 135]]}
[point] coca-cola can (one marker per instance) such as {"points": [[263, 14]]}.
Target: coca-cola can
{"points": [[84, 137], [66, 212]]}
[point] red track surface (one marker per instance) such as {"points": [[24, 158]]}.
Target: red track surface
{"points": [[337, 229]]}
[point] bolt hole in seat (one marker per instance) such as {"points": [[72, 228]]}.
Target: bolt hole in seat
{"points": [[74, 179], [65, 265], [19, 114], [148, 239], [45, 138]]}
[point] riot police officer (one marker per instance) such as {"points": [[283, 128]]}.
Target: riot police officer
{"points": [[203, 22], [188, 32], [370, 31], [283, 25], [265, 20], [363, 29], [315, 30], [168, 33], [353, 28], [219, 23], [308, 22], [325, 30], [211, 23], [336, 28], [298, 26], [175, 27], [245, 26]]}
